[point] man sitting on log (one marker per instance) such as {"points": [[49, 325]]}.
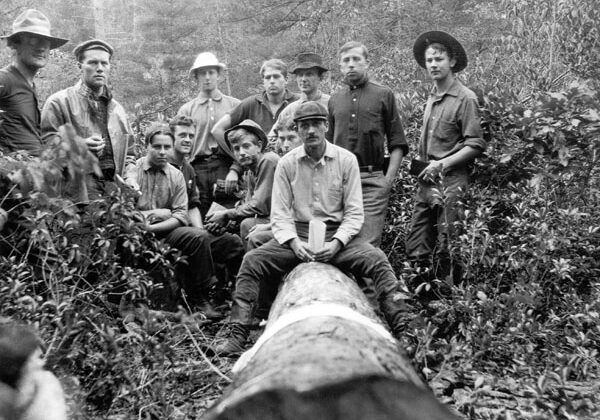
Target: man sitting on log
{"points": [[317, 181]]}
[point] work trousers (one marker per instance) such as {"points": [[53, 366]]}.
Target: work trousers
{"points": [[202, 250], [272, 261], [436, 210], [376, 195]]}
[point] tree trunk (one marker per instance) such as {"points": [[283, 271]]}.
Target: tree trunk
{"points": [[325, 355]]}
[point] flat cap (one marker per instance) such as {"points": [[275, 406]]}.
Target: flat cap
{"points": [[251, 126], [93, 44], [308, 60], [310, 110]]}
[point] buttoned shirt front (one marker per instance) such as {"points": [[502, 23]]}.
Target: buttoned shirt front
{"points": [[362, 119], [451, 121], [161, 188], [328, 190], [20, 116], [206, 111], [257, 109]]}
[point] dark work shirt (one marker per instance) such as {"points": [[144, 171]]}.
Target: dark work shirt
{"points": [[256, 108], [190, 183], [362, 118], [20, 117], [451, 121]]}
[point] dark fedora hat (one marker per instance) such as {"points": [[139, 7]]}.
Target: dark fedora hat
{"points": [[308, 60], [250, 126], [34, 22], [310, 110], [455, 48]]}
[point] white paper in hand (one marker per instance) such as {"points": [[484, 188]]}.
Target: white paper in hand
{"points": [[316, 235]]}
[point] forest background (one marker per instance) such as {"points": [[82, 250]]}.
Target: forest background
{"points": [[518, 338]]}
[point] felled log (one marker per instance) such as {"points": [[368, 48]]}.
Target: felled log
{"points": [[325, 354]]}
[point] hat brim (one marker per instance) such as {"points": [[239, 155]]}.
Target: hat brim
{"points": [[220, 66], [306, 66], [428, 38], [254, 130], [54, 41], [311, 117]]}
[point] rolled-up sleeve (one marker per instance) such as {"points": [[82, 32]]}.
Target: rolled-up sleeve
{"points": [[394, 130], [470, 122], [353, 216], [282, 216]]}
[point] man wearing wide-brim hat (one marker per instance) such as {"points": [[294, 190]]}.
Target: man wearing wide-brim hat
{"points": [[31, 40], [248, 140], [309, 71], [451, 138], [94, 114], [316, 181], [210, 159]]}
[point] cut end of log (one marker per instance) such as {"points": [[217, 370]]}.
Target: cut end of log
{"points": [[365, 398]]}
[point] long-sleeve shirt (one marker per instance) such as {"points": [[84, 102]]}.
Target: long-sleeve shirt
{"points": [[76, 106], [206, 112], [161, 188], [362, 118], [259, 184], [450, 122], [328, 190], [20, 117]]}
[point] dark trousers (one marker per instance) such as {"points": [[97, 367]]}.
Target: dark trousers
{"points": [[208, 171], [376, 195], [202, 250], [435, 212], [272, 261]]}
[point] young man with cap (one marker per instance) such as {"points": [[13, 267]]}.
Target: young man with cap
{"points": [[95, 116], [247, 140], [451, 138], [309, 71], [163, 202], [317, 181], [364, 118], [20, 118], [211, 160], [262, 108]]}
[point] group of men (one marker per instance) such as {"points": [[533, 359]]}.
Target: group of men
{"points": [[337, 160]]}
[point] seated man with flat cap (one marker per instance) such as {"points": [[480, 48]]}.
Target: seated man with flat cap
{"points": [[96, 117], [318, 181]]}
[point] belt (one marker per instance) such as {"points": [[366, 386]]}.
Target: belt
{"points": [[370, 168]]}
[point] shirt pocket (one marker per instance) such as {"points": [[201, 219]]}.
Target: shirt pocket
{"points": [[446, 131], [335, 191]]}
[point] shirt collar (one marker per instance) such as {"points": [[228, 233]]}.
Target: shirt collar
{"points": [[452, 91], [215, 95], [262, 98], [360, 83], [147, 167], [303, 97], [104, 94], [328, 155]]}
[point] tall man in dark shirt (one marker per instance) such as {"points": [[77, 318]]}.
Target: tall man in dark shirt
{"points": [[262, 108], [20, 117], [450, 139], [364, 118]]}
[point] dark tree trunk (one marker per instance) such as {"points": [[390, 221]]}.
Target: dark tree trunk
{"points": [[328, 357]]}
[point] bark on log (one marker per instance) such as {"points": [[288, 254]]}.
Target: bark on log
{"points": [[325, 355]]}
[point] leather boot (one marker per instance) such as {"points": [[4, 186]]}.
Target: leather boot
{"points": [[232, 339], [398, 312], [203, 305]]}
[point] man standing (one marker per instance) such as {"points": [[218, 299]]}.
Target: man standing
{"points": [[20, 116], [95, 116], [263, 108], [247, 141], [309, 71], [164, 203], [364, 118], [211, 160], [451, 138], [317, 181]]}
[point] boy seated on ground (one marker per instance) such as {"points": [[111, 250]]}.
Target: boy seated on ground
{"points": [[247, 140], [163, 202]]}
